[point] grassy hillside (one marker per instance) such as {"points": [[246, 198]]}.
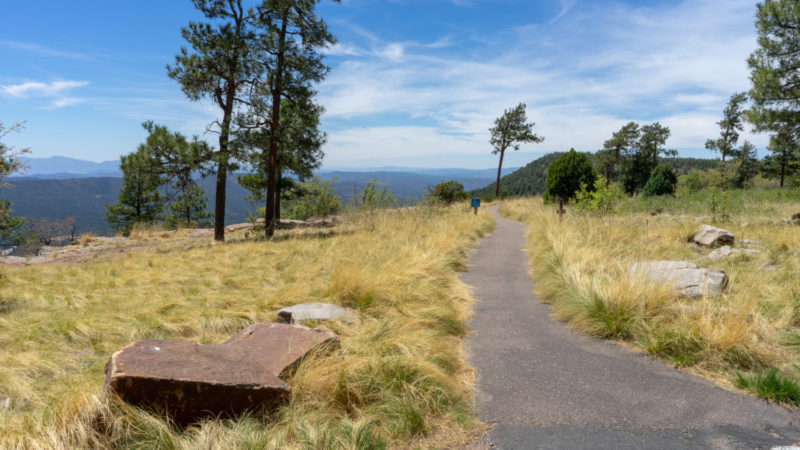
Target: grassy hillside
{"points": [[400, 379], [753, 329], [532, 178]]}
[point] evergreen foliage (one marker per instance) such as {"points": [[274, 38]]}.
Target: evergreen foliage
{"points": [[622, 143], [662, 182], [746, 166], [784, 160], [222, 66], [449, 192], [775, 69], [730, 126], [568, 175], [509, 131], [292, 40], [318, 200], [139, 201], [159, 182]]}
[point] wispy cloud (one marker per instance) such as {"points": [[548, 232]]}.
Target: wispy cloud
{"points": [[581, 78], [37, 49], [38, 88], [54, 92]]}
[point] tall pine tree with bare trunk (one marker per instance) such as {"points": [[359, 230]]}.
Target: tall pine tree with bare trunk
{"points": [[222, 65], [292, 39], [509, 131]]}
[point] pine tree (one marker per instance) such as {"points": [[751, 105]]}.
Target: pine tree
{"points": [[775, 69], [139, 201], [223, 65], [784, 160], [509, 131]]}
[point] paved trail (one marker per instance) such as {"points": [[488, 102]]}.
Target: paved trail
{"points": [[543, 386]]}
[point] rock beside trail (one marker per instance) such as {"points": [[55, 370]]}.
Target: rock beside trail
{"points": [[685, 278], [191, 381], [709, 236], [726, 251], [279, 347], [315, 311], [289, 224]]}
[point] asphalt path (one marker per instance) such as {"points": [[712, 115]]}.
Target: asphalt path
{"points": [[541, 385]]}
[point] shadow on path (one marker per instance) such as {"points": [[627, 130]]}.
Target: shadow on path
{"points": [[543, 386]]}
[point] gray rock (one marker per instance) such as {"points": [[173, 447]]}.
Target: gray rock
{"points": [[726, 251], [5, 403], [13, 260], [315, 311], [750, 243], [709, 236], [238, 226], [685, 278]]}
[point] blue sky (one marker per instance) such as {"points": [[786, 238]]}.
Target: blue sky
{"points": [[413, 82]]}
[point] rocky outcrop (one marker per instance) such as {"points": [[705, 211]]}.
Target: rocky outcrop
{"points": [[685, 278], [726, 251], [709, 236], [315, 311], [190, 381]]}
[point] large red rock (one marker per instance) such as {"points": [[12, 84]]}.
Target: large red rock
{"points": [[191, 381]]}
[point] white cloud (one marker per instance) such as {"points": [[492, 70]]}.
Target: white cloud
{"points": [[582, 77], [40, 89], [54, 91]]}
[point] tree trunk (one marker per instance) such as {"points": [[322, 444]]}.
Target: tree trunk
{"points": [[269, 225], [222, 168], [783, 172], [278, 195], [499, 170]]}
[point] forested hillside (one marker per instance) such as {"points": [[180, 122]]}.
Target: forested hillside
{"points": [[531, 179]]}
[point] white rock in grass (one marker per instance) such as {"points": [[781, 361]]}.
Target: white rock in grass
{"points": [[315, 311], [5, 403], [685, 278]]}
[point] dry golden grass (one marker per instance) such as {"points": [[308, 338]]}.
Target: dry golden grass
{"points": [[399, 379], [580, 266]]}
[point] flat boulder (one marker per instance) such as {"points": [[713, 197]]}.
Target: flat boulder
{"points": [[315, 311], [685, 278], [191, 381], [238, 226], [709, 236], [726, 251]]}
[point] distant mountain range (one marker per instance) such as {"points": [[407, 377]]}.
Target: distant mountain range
{"points": [[60, 187], [61, 167]]}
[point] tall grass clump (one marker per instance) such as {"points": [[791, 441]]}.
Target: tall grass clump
{"points": [[399, 379], [580, 264]]}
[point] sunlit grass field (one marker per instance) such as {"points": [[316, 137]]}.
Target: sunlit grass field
{"points": [[400, 379], [580, 262]]}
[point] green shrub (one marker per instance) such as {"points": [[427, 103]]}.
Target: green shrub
{"points": [[602, 200], [567, 174], [662, 182], [449, 192]]}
